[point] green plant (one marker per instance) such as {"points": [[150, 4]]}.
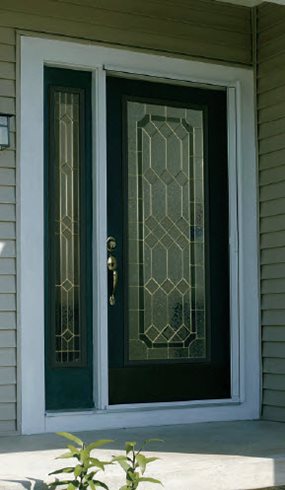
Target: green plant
{"points": [[134, 464], [84, 473]]}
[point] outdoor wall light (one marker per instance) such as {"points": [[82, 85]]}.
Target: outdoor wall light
{"points": [[4, 131]]}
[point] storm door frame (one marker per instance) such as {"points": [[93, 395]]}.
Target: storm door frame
{"points": [[34, 54]]}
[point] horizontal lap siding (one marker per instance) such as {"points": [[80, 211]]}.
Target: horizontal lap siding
{"points": [[191, 28], [203, 29], [271, 133], [8, 238]]}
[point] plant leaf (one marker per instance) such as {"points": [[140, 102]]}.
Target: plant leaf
{"points": [[141, 459], [129, 446], [65, 456], [62, 482], [73, 485], [77, 470], [123, 462], [71, 437], [99, 443], [73, 449], [133, 476], [125, 487], [69, 469], [92, 485], [150, 480], [91, 475], [84, 456], [96, 462], [150, 460], [100, 484]]}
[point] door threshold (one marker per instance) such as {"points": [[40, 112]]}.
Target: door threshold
{"points": [[174, 405], [118, 416], [144, 406]]}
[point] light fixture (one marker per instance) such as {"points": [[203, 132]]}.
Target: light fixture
{"points": [[4, 131]]}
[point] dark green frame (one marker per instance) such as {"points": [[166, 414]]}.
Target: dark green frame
{"points": [[69, 386], [158, 381]]}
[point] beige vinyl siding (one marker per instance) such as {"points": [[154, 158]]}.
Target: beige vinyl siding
{"points": [[8, 238], [271, 133], [201, 29]]}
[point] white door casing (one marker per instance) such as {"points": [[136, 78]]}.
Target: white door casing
{"points": [[244, 403]]}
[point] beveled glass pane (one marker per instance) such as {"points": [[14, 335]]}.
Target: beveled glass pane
{"points": [[66, 228], [166, 266]]}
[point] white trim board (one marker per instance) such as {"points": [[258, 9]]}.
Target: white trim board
{"points": [[245, 340]]}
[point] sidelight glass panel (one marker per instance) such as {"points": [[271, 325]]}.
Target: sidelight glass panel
{"points": [[66, 225], [166, 269]]}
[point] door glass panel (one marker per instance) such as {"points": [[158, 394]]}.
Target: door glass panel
{"points": [[67, 330], [166, 266]]}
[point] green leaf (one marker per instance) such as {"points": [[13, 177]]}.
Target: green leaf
{"points": [[92, 485], [77, 470], [96, 462], [150, 480], [62, 482], [73, 449], [100, 484], [84, 456], [141, 459], [129, 446], [132, 476], [71, 437], [69, 469], [123, 462], [104, 463], [150, 460], [90, 475], [99, 443], [73, 485], [125, 487], [65, 456]]}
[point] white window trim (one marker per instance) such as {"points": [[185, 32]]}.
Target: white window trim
{"points": [[245, 338]]}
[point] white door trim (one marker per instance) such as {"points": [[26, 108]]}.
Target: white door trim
{"points": [[245, 339]]}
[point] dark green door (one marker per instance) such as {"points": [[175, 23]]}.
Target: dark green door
{"points": [[168, 215], [68, 221]]}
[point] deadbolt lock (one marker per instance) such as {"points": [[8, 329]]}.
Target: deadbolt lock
{"points": [[111, 243]]}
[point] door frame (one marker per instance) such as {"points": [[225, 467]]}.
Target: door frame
{"points": [[33, 54]]}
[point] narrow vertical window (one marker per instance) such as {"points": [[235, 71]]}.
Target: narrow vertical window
{"points": [[68, 238], [65, 222]]}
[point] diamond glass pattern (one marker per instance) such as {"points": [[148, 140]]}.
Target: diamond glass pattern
{"points": [[165, 155], [67, 240]]}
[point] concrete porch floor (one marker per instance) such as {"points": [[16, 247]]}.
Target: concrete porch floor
{"points": [[209, 456]]}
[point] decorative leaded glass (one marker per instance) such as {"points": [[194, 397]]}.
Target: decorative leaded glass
{"points": [[165, 233], [68, 336]]}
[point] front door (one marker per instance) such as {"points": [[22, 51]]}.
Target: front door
{"points": [[168, 257]]}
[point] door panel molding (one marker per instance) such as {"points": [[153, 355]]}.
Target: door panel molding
{"points": [[245, 339]]}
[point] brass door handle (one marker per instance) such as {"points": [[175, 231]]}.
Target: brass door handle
{"points": [[112, 299], [112, 266]]}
